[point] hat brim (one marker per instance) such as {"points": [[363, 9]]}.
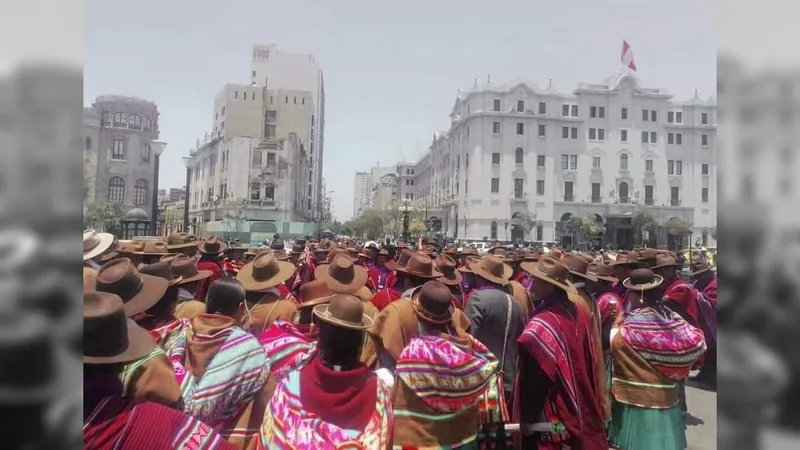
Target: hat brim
{"points": [[314, 302], [691, 274], [420, 312], [322, 313], [245, 276], [644, 287], [106, 257], [180, 246], [337, 287], [140, 344], [201, 247], [153, 288], [586, 276], [676, 265], [454, 280], [201, 275], [475, 268], [106, 241], [432, 276], [531, 268], [605, 278]]}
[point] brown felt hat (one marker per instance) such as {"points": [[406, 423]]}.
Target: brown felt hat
{"points": [[698, 266], [154, 248], [344, 311], [403, 258], [109, 337], [577, 265], [550, 270], [162, 269], [177, 241], [433, 303], [336, 251], [664, 260], [471, 259], [420, 265], [625, 259], [342, 276], [313, 293], [602, 272], [642, 280], [128, 247], [450, 250], [468, 251], [367, 252], [297, 250], [187, 269], [264, 272], [492, 268], [138, 291], [447, 266], [212, 246]]}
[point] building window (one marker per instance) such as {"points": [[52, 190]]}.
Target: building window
{"points": [[542, 130], [520, 128], [653, 115], [106, 119], [518, 183], [269, 191], [623, 162], [648, 195], [494, 229], [678, 167], [645, 137], [257, 158], [496, 105], [593, 111], [116, 190], [704, 169], [118, 149], [573, 162], [595, 162], [135, 122], [120, 120], [519, 155], [670, 167], [539, 187], [704, 118], [271, 159], [146, 153], [648, 165], [495, 158], [496, 127], [87, 143], [542, 108], [645, 115], [539, 233], [653, 137], [601, 134], [595, 192], [255, 191], [564, 162], [678, 139], [140, 193], [704, 195], [674, 117], [704, 140], [623, 193], [564, 132], [569, 191], [495, 185], [148, 124], [670, 138], [540, 160], [574, 133], [597, 111], [592, 134], [623, 135], [520, 105], [295, 100], [675, 196], [624, 113]]}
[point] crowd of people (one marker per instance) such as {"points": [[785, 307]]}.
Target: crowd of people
{"points": [[201, 343]]}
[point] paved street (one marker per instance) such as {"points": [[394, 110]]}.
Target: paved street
{"points": [[701, 431]]}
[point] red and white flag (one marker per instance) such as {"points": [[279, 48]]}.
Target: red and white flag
{"points": [[627, 56]]}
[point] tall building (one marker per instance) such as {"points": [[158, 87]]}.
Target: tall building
{"points": [[518, 161], [284, 71], [119, 165], [361, 193]]}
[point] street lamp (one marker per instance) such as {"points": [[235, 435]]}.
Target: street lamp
{"points": [[188, 161], [405, 210], [157, 147]]}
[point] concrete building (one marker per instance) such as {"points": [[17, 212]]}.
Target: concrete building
{"points": [[518, 161], [364, 187], [118, 158], [284, 71], [384, 192]]}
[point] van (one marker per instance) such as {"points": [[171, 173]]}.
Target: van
{"points": [[482, 247]]}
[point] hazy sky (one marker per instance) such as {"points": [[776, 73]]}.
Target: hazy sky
{"points": [[391, 72]]}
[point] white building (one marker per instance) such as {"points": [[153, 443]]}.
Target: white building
{"points": [[275, 69], [518, 160], [364, 187]]}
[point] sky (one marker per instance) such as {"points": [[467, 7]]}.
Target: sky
{"points": [[392, 72]]}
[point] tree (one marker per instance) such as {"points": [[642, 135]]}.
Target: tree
{"points": [[583, 225], [234, 211], [417, 227], [106, 217], [644, 219], [369, 224], [677, 229]]}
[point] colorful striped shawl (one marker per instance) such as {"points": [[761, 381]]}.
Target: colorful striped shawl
{"points": [[284, 345], [447, 376], [288, 426], [233, 377], [670, 344]]}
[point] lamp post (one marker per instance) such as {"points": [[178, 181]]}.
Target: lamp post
{"points": [[157, 147], [187, 161], [405, 210]]}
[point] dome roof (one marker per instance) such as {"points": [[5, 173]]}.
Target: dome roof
{"points": [[137, 214]]}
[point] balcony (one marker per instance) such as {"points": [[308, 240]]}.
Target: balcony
{"points": [[569, 198], [674, 202], [624, 199], [649, 201], [597, 199], [519, 197]]}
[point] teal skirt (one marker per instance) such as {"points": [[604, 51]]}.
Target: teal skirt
{"points": [[634, 428]]}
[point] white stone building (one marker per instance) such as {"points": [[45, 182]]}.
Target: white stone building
{"points": [[518, 160]]}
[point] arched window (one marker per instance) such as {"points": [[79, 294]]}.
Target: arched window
{"points": [[118, 149], [120, 120], [116, 190], [494, 229], [519, 156], [623, 162], [146, 153], [106, 119], [255, 191], [87, 143], [623, 193], [148, 124], [140, 193], [269, 192], [135, 122]]}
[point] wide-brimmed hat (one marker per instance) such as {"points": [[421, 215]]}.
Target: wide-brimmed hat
{"points": [[550, 270], [642, 280], [367, 252], [664, 260], [154, 248], [492, 268], [471, 259], [162, 269], [447, 266], [252, 251], [353, 252], [497, 250], [578, 266], [297, 250], [108, 336], [212, 246], [512, 257], [187, 269], [625, 259], [344, 311], [698, 266], [421, 266], [138, 291], [450, 250], [433, 303], [647, 256], [313, 293], [17, 248], [531, 256], [466, 251], [342, 275], [130, 247], [334, 252], [264, 272], [603, 272], [177, 241], [95, 244], [403, 257]]}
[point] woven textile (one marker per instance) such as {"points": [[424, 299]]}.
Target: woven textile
{"points": [[669, 344], [288, 426]]}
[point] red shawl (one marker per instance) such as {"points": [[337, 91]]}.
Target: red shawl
{"points": [[216, 274], [682, 294], [609, 304], [384, 298]]}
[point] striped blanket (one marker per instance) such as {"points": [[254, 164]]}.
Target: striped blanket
{"points": [[668, 343]]}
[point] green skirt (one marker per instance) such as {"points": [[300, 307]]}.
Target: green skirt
{"points": [[634, 428]]}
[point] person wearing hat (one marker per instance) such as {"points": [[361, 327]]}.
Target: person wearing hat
{"points": [[621, 267], [111, 420], [513, 259], [496, 317], [677, 292], [433, 358], [609, 305], [183, 244], [233, 260], [95, 245], [343, 276], [347, 401], [191, 278], [163, 312], [451, 278], [705, 283], [211, 251], [465, 253], [647, 257], [654, 350], [265, 302], [467, 277], [548, 385], [381, 273], [392, 291]]}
